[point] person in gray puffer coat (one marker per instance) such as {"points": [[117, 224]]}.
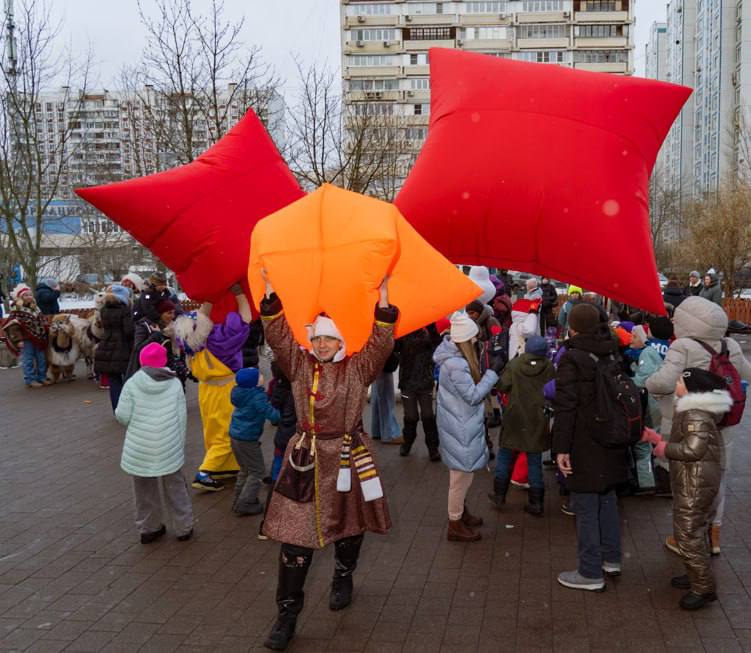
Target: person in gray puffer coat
{"points": [[462, 389], [712, 289], [696, 319]]}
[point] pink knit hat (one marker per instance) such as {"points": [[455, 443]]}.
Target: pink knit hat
{"points": [[153, 355]]}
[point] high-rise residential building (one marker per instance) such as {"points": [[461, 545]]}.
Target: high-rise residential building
{"points": [[709, 49], [385, 45], [656, 52]]}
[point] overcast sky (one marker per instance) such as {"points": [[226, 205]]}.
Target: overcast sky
{"points": [[309, 28]]}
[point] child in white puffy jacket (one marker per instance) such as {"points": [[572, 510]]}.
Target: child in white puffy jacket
{"points": [[152, 407]]}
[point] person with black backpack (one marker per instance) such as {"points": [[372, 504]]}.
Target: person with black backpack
{"points": [[700, 327], [595, 421]]}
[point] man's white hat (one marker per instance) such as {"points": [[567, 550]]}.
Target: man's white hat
{"points": [[324, 326]]}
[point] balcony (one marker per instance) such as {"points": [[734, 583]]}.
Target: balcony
{"points": [[504, 45], [542, 43], [370, 96], [368, 21], [485, 19], [590, 43], [353, 72], [523, 17], [371, 47], [417, 121], [416, 70], [601, 17], [612, 67], [427, 44], [421, 96], [428, 19]]}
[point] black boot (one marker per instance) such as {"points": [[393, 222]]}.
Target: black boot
{"points": [[347, 551], [294, 562], [409, 433], [489, 442], [536, 501], [498, 495], [431, 438], [693, 601]]}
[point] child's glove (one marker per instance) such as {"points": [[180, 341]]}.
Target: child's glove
{"points": [[659, 450], [651, 436]]}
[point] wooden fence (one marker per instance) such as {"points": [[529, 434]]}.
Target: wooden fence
{"points": [[738, 309]]}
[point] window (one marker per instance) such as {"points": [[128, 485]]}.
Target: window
{"points": [[370, 9], [598, 31], [485, 33], [543, 31], [430, 33], [418, 59], [601, 56], [373, 109], [375, 34], [541, 56], [373, 60], [423, 8], [373, 85], [543, 5], [416, 133], [420, 109], [488, 7], [420, 84], [599, 5]]}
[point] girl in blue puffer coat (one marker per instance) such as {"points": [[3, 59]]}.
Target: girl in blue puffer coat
{"points": [[252, 409], [460, 413]]}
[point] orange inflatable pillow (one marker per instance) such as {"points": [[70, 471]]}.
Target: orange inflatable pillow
{"points": [[329, 251]]}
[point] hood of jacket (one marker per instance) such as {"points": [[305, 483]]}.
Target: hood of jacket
{"points": [[713, 278], [532, 365], [600, 343], [717, 403], [244, 396], [697, 317], [151, 379], [446, 350]]}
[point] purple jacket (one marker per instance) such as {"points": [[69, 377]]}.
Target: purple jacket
{"points": [[549, 389], [226, 340]]}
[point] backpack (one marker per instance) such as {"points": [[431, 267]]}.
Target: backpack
{"points": [[721, 366], [618, 406]]}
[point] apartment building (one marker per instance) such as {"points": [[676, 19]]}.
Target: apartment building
{"points": [[385, 45]]}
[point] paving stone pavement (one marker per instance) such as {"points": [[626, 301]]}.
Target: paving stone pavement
{"points": [[74, 577]]}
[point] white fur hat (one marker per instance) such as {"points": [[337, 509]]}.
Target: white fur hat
{"points": [[463, 328], [481, 276], [136, 280], [639, 332], [20, 290], [324, 326]]}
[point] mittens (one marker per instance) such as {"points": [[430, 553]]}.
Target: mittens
{"points": [[651, 436], [659, 450]]}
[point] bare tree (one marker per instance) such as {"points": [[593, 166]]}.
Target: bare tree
{"points": [[195, 80], [360, 147], [665, 218], [34, 151]]}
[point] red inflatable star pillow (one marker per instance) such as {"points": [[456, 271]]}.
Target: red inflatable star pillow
{"points": [[330, 251], [198, 218], [544, 169]]}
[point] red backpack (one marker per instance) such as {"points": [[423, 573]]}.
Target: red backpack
{"points": [[721, 366]]}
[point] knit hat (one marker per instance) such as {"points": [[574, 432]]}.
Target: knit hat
{"points": [[20, 290], [153, 355], [695, 273], [325, 327], [481, 276], [638, 333], [158, 280], [463, 328], [475, 306], [50, 282], [573, 289], [698, 380], [536, 345], [135, 279], [661, 328], [584, 318], [121, 292], [442, 325], [164, 306], [247, 377]]}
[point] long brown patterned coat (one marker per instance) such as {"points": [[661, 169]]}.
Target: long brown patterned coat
{"points": [[329, 400]]}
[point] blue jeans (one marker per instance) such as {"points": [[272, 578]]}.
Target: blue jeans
{"points": [[116, 387], [34, 363], [598, 531], [383, 423], [504, 464]]}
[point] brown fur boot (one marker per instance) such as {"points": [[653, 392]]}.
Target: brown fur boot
{"points": [[458, 531]]}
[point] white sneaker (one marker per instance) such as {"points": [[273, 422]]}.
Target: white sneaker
{"points": [[611, 568], [523, 486]]}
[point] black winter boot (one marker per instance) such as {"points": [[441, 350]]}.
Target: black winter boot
{"points": [[294, 562], [347, 551], [498, 495], [536, 501], [431, 438], [409, 433]]}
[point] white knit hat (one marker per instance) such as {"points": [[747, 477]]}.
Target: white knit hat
{"points": [[136, 280], [463, 328], [324, 326], [481, 276], [639, 332]]}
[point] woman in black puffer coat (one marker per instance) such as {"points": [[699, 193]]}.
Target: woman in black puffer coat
{"points": [[113, 352]]}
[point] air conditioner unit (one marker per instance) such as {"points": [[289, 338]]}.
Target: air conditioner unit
{"points": [[361, 19], [387, 44], [567, 14], [459, 42], [360, 44], [410, 94], [408, 19]]}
